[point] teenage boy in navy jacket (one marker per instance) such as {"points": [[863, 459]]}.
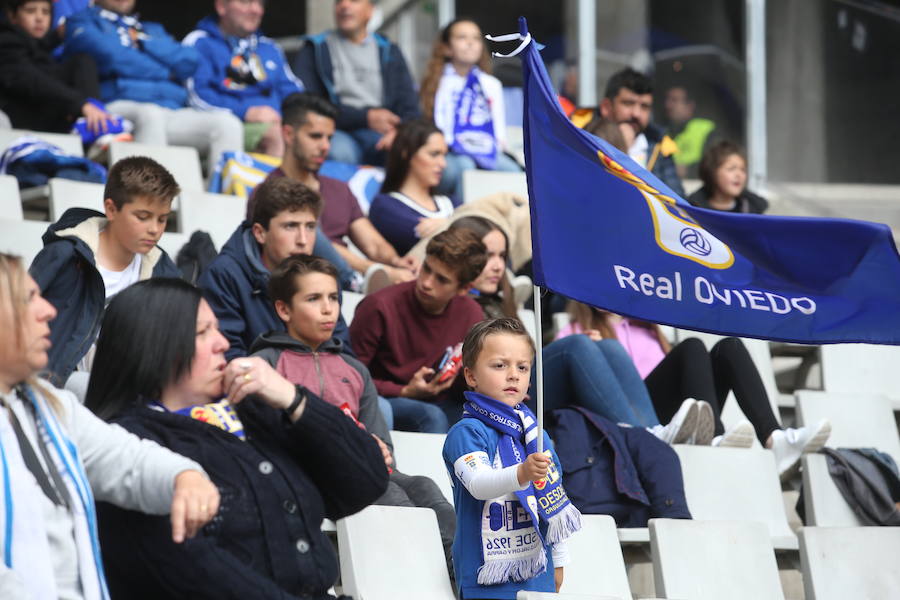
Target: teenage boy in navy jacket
{"points": [[88, 258]]}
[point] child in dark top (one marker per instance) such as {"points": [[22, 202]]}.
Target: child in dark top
{"points": [[305, 292], [513, 515], [38, 92]]}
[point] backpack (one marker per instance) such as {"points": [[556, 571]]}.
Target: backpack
{"points": [[195, 256]]}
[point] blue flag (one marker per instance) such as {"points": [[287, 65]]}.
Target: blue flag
{"points": [[608, 233]]}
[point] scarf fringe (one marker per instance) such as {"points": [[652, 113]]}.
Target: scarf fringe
{"points": [[523, 569], [563, 525]]}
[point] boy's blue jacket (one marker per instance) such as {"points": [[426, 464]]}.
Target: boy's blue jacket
{"points": [[67, 274], [313, 66], [624, 472], [151, 74], [236, 286], [210, 86]]}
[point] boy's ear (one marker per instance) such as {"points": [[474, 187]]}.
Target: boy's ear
{"points": [[259, 232], [109, 207], [283, 310], [470, 379], [464, 289]]}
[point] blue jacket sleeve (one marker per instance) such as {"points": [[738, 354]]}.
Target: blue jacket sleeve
{"points": [[222, 293], [84, 35], [52, 262], [402, 97], [287, 82], [181, 60]]}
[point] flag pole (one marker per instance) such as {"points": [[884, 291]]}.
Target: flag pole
{"points": [[539, 367]]}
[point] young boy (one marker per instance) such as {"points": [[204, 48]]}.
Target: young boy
{"points": [[513, 514], [88, 258], [37, 91], [305, 292]]}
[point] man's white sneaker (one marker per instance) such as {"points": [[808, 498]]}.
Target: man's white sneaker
{"points": [[706, 424], [682, 426], [739, 436], [790, 444]]}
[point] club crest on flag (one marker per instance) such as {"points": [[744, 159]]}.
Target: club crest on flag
{"points": [[675, 231]]}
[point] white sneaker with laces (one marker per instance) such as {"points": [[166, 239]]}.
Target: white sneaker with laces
{"points": [[682, 426], [790, 444], [739, 436]]}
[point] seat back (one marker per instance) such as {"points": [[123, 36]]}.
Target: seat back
{"points": [[183, 162], [393, 553], [172, 242], [597, 565], [825, 506], [217, 214], [478, 184], [422, 454], [66, 194], [862, 369], [711, 560], [349, 302], [857, 420], [850, 562], [22, 238], [10, 201], [735, 484]]}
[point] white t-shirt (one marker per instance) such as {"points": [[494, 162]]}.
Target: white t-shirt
{"points": [[113, 282], [639, 150]]}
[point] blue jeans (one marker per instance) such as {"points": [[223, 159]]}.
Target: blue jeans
{"points": [[356, 147], [418, 415], [599, 376], [451, 182], [387, 412], [325, 249]]}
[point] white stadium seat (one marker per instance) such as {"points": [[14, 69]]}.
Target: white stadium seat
{"points": [[10, 201], [597, 565], [70, 143], [478, 184], [217, 214], [862, 369], [840, 563], [712, 560], [182, 161], [422, 454], [22, 238], [393, 553], [825, 505], [66, 194]]}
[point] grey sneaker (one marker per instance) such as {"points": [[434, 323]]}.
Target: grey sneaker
{"points": [[682, 426], [706, 424]]}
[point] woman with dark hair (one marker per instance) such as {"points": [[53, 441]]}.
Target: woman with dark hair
{"points": [[408, 208], [282, 458], [723, 171], [57, 459]]}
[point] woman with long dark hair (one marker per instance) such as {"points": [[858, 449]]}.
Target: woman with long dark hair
{"points": [[283, 458], [408, 207]]}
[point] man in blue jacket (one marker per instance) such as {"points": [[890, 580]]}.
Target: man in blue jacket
{"points": [[242, 71], [141, 73], [365, 76]]}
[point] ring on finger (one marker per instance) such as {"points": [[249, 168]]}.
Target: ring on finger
{"points": [[247, 377]]}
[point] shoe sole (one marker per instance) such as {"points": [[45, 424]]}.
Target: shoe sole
{"points": [[815, 443], [706, 425], [688, 426], [739, 437]]}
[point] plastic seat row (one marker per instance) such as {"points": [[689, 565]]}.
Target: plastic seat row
{"points": [[395, 553]]}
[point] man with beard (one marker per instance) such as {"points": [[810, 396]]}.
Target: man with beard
{"points": [[628, 101], [308, 127]]}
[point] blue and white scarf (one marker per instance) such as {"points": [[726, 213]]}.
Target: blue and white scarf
{"points": [[25, 546], [512, 542], [473, 125]]}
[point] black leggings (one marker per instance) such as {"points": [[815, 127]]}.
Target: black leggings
{"points": [[689, 371]]}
